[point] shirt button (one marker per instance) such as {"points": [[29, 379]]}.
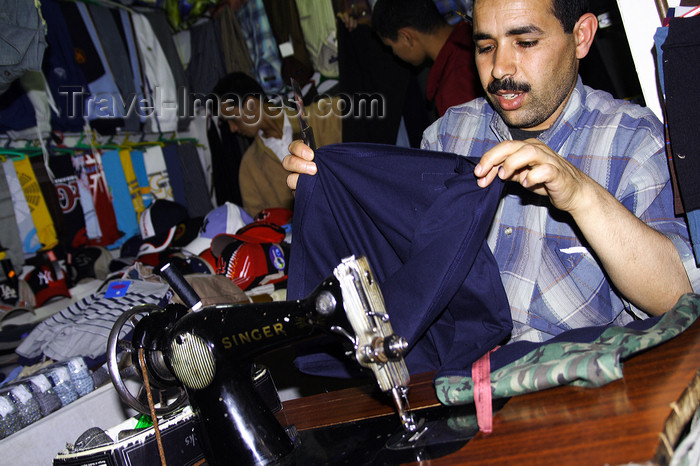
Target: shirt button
{"points": [[508, 231]]}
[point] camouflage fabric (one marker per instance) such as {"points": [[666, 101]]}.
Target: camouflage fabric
{"points": [[586, 364]]}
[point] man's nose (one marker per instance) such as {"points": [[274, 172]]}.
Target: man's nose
{"points": [[504, 63]]}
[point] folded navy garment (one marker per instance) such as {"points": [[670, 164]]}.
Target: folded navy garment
{"points": [[421, 220]]}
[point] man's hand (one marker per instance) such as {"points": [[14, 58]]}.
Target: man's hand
{"points": [[538, 168], [349, 20], [299, 160], [642, 263]]}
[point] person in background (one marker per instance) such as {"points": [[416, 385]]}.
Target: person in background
{"points": [[417, 33], [585, 233], [272, 127]]}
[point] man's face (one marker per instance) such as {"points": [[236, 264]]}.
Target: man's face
{"points": [[526, 63], [245, 119]]}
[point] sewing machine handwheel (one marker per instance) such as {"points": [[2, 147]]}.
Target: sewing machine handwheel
{"points": [[115, 346]]}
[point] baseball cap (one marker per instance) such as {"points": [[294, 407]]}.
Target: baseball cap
{"points": [[15, 294], [158, 225], [227, 218], [251, 264], [47, 279], [89, 262], [277, 215], [256, 232]]}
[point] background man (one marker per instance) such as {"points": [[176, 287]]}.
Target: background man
{"points": [[272, 127], [417, 32]]}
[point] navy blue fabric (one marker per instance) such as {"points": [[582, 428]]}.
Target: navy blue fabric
{"points": [[16, 110], [172, 164], [516, 350], [421, 220], [62, 72]]}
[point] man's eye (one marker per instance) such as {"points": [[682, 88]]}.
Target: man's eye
{"points": [[484, 49], [527, 43]]}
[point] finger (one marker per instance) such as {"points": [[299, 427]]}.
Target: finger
{"points": [[488, 178], [524, 157], [495, 157], [295, 164], [299, 149], [292, 180]]}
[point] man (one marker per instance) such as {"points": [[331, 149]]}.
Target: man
{"points": [[246, 109], [585, 233], [417, 32]]}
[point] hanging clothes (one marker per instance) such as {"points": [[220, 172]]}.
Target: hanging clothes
{"points": [[117, 58], [237, 57], [66, 185], [139, 166], [284, 22], [267, 66], [127, 28], [127, 222], [207, 65], [22, 42], [37, 204], [317, 20], [659, 38], [48, 191], [198, 199], [164, 34], [132, 182], [9, 234], [25, 224], [175, 175], [226, 157], [157, 170], [16, 110], [103, 106], [62, 72], [681, 70], [160, 81], [90, 173]]}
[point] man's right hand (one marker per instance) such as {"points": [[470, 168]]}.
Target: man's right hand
{"points": [[299, 160]]}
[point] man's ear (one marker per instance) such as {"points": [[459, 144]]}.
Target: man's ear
{"points": [[584, 32], [407, 34]]}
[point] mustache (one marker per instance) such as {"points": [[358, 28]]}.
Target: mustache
{"points": [[508, 84]]}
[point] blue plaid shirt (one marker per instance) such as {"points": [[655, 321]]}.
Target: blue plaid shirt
{"points": [[553, 282]]}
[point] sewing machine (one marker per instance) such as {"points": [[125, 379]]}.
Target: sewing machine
{"points": [[207, 352]]}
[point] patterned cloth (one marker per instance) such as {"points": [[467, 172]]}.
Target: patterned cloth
{"points": [[318, 25], [255, 26], [82, 329], [588, 357], [553, 282]]}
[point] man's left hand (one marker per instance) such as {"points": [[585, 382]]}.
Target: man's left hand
{"points": [[536, 167]]}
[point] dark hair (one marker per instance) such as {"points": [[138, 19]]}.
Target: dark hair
{"points": [[568, 12], [238, 85], [388, 16]]}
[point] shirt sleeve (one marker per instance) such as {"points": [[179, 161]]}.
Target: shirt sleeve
{"points": [[646, 190]]}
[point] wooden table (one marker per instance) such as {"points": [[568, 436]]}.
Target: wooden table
{"points": [[636, 419]]}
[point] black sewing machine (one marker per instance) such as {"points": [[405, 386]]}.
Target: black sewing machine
{"points": [[209, 352]]}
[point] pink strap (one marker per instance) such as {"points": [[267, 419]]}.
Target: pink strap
{"points": [[481, 375]]}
